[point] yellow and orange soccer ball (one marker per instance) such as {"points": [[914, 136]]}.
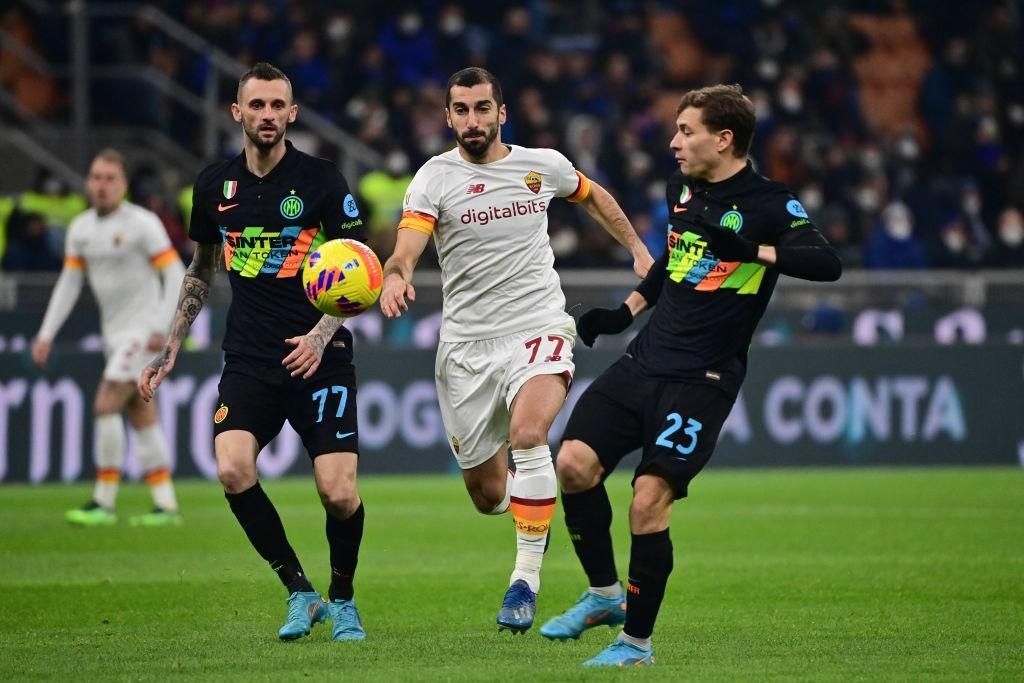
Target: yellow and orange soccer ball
{"points": [[342, 278]]}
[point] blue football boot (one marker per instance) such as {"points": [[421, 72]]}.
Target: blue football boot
{"points": [[589, 611], [621, 653], [345, 617], [517, 609], [305, 609]]}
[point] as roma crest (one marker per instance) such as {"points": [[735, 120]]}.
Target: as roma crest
{"points": [[533, 181]]}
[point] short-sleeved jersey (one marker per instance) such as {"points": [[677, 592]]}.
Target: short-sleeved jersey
{"points": [[269, 226], [489, 223], [705, 318], [121, 253]]}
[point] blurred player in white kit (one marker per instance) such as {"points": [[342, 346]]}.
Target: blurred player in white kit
{"points": [[124, 252]]}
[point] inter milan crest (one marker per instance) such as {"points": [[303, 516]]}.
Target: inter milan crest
{"points": [[532, 180], [291, 206], [230, 187]]}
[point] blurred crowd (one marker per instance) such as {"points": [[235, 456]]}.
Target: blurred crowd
{"points": [[900, 125]]}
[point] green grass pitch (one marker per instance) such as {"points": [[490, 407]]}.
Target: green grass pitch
{"points": [[780, 574]]}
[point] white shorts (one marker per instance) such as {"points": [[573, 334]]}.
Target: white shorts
{"points": [[126, 356], [478, 380]]}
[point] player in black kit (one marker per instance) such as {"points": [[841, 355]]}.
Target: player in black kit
{"points": [[263, 213], [731, 233]]}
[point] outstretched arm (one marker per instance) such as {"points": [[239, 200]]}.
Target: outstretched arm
{"points": [[194, 290], [398, 269], [607, 212], [62, 300]]}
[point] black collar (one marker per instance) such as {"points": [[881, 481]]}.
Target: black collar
{"points": [[287, 162], [733, 183]]}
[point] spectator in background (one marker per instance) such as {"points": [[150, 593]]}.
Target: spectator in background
{"points": [[954, 247], [382, 192], [1008, 249], [892, 244], [29, 245]]}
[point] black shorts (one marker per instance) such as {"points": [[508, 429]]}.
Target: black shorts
{"points": [[675, 423], [322, 409]]}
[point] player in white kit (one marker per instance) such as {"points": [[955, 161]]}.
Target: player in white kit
{"points": [[504, 360], [124, 252]]}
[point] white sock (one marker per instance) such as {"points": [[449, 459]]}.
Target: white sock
{"points": [[612, 591], [109, 458], [155, 461], [533, 504], [642, 643], [502, 507]]}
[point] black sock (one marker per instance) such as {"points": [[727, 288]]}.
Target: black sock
{"points": [[588, 516], [344, 536], [261, 523], [650, 563]]}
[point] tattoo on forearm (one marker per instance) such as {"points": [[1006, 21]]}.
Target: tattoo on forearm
{"points": [[194, 290], [324, 330]]}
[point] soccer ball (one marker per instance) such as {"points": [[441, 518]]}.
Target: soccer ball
{"points": [[342, 278]]}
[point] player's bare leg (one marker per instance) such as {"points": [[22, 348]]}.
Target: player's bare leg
{"points": [[236, 452], [108, 427], [489, 484], [532, 494], [588, 516], [335, 475], [155, 461]]}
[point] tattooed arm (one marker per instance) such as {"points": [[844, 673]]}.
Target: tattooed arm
{"points": [[309, 348], [194, 290]]}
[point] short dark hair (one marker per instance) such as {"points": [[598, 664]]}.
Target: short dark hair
{"points": [[724, 107], [469, 77], [263, 71]]}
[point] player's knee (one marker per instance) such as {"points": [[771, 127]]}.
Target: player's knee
{"points": [[485, 498], [340, 503], [577, 470], [234, 476], [522, 437]]}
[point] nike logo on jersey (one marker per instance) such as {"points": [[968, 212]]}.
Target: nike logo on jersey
{"points": [[342, 436], [678, 209], [225, 207]]}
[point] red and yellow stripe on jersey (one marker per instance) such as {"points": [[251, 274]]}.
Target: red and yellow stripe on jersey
{"points": [[164, 258], [582, 190], [421, 222], [74, 262]]}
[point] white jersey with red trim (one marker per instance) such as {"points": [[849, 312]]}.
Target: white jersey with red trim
{"points": [[121, 253], [490, 227]]}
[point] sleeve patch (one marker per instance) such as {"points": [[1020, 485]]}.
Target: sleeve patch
{"points": [[582, 189], [417, 221], [165, 257]]}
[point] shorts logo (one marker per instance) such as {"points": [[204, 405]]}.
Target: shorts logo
{"points": [[349, 206], [230, 187], [532, 181], [455, 444], [796, 208], [221, 414], [732, 220], [291, 206]]}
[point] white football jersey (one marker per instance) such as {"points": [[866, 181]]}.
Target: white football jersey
{"points": [[490, 227], [121, 253]]}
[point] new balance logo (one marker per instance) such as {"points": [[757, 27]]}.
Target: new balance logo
{"points": [[476, 188]]}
